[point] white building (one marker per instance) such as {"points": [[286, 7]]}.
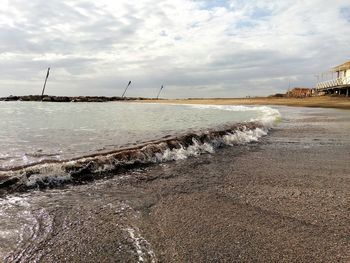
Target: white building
{"points": [[338, 82]]}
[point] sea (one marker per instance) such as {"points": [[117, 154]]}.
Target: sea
{"points": [[59, 161]]}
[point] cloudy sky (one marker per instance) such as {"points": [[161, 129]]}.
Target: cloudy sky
{"points": [[219, 48]]}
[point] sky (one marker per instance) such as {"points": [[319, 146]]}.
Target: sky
{"points": [[195, 48]]}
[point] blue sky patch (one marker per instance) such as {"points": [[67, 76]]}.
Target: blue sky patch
{"points": [[345, 13], [208, 4], [260, 13]]}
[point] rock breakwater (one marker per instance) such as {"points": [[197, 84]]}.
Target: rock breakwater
{"points": [[49, 98]]}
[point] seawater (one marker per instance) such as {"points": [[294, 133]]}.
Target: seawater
{"points": [[76, 220], [31, 132]]}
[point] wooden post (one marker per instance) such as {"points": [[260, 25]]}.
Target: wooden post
{"points": [[127, 86], [47, 76], [161, 88]]}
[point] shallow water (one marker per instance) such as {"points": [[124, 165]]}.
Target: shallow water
{"points": [[41, 225], [34, 131]]}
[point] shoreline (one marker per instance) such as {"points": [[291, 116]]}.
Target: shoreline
{"points": [[282, 199], [98, 165], [63, 99], [312, 102], [249, 204]]}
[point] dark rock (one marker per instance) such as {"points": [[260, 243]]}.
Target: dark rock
{"points": [[48, 98]]}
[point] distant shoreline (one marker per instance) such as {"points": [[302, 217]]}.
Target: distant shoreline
{"points": [[49, 98], [315, 102]]}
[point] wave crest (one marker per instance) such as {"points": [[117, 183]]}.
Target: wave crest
{"points": [[53, 173], [92, 167]]}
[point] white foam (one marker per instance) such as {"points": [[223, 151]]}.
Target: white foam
{"points": [[268, 116], [242, 137], [182, 153], [197, 148], [141, 245]]}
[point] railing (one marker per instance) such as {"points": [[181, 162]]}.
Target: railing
{"points": [[333, 83]]}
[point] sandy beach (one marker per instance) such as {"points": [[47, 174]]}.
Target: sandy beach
{"points": [[284, 200], [315, 102]]}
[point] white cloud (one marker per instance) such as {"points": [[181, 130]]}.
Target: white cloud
{"points": [[196, 48]]}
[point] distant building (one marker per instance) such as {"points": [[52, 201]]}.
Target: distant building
{"points": [[299, 93], [338, 81]]}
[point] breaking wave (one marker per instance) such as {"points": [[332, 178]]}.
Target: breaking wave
{"points": [[52, 173]]}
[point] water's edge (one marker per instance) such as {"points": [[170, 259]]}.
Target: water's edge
{"points": [[86, 168]]}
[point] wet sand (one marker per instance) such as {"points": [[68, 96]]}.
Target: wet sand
{"points": [[283, 199], [315, 102]]}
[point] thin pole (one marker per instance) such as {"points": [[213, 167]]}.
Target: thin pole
{"points": [[289, 84], [127, 86], [161, 88], [47, 76]]}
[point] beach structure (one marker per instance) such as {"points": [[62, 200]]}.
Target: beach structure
{"points": [[126, 88], [161, 88], [337, 81], [47, 76], [299, 93]]}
